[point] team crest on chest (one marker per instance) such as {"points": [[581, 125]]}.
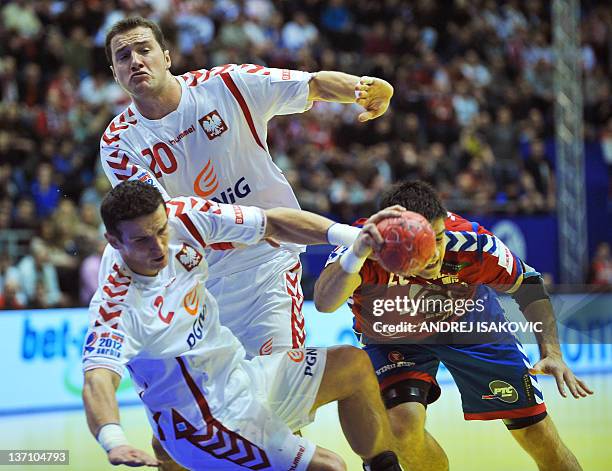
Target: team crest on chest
{"points": [[189, 257], [212, 124]]}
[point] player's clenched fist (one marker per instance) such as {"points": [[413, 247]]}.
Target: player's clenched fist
{"points": [[369, 238], [374, 95], [130, 456]]}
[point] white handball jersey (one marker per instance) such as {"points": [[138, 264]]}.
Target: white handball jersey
{"points": [[165, 329], [213, 145]]}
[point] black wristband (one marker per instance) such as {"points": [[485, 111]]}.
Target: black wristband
{"points": [[532, 289]]}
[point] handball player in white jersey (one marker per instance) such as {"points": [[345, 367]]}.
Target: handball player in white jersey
{"points": [[204, 133], [210, 408]]}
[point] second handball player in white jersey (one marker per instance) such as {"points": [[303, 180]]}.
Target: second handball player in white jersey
{"points": [[209, 407], [204, 133]]}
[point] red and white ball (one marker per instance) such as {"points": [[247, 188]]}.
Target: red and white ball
{"points": [[409, 243]]}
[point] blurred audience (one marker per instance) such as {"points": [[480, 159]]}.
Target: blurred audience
{"points": [[37, 277], [472, 110], [601, 266]]}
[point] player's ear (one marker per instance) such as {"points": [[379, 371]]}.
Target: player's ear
{"points": [[114, 241], [167, 58]]}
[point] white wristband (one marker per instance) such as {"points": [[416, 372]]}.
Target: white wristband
{"points": [[342, 234], [111, 436], [350, 262]]}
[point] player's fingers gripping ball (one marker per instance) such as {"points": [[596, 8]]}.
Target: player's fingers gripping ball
{"points": [[409, 243]]}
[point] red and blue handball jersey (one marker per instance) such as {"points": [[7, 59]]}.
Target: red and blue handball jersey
{"points": [[474, 257], [491, 373]]}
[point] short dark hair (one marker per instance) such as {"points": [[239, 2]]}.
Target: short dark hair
{"points": [[417, 196], [129, 200], [128, 24]]}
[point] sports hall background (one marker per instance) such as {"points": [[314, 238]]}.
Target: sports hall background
{"points": [[472, 114]]}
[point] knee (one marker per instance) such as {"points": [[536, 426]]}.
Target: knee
{"points": [[361, 362], [157, 447], [408, 422], [326, 460], [407, 432], [357, 363], [352, 366]]}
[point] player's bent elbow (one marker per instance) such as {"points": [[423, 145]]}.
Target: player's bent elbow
{"points": [[324, 302], [99, 378], [323, 305], [354, 366], [321, 297]]}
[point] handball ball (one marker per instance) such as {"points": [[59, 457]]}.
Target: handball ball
{"points": [[409, 243]]}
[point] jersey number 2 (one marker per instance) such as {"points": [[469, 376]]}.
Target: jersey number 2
{"points": [[159, 303]]}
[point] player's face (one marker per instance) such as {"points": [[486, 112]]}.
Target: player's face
{"points": [[144, 242], [432, 269], [139, 64]]}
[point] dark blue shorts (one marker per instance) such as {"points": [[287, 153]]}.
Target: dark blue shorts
{"points": [[493, 378]]}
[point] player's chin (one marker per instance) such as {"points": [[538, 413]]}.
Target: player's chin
{"points": [[159, 262], [140, 86]]}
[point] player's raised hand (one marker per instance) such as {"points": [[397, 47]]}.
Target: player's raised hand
{"points": [[130, 456], [369, 239], [555, 366], [374, 95]]}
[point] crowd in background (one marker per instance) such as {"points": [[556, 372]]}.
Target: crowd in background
{"points": [[472, 111]]}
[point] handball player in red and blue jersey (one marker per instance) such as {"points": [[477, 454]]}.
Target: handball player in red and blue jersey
{"points": [[492, 372]]}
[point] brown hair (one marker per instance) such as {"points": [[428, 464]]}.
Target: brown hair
{"points": [[128, 24], [417, 196], [129, 200]]}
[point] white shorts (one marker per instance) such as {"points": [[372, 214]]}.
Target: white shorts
{"points": [[262, 306], [255, 431], [289, 382]]}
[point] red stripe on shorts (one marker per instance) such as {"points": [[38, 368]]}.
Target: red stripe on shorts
{"points": [[215, 438], [507, 414], [294, 290], [391, 380]]}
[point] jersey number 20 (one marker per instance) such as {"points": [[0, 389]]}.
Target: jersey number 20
{"points": [[167, 165]]}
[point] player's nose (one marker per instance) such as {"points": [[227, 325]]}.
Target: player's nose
{"points": [[434, 257], [136, 63], [158, 246]]}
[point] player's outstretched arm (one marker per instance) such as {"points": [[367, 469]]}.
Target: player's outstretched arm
{"points": [[304, 227], [103, 419], [551, 359], [339, 280], [372, 93]]}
